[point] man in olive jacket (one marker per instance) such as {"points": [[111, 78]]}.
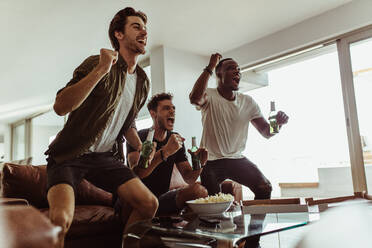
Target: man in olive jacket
{"points": [[102, 99]]}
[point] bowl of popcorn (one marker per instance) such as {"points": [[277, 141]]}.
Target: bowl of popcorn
{"points": [[211, 205]]}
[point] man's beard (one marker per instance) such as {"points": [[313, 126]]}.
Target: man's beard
{"points": [[138, 50], [162, 125], [132, 46], [235, 88]]}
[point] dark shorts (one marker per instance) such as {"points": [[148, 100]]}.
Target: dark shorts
{"points": [[168, 204], [101, 169]]}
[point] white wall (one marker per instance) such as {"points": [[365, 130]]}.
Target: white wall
{"points": [[348, 17], [157, 70], [40, 141], [178, 73], [181, 71]]}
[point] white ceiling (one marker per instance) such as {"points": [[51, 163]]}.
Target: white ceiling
{"points": [[44, 40]]}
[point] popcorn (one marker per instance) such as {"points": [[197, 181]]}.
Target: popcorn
{"points": [[220, 197]]}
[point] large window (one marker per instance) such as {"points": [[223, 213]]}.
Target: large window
{"points": [[19, 141], [43, 128], [312, 149], [2, 149]]}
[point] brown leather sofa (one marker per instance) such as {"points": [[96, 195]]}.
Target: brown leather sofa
{"points": [[24, 226], [94, 223]]}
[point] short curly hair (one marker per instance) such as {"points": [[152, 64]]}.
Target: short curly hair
{"points": [[155, 99], [119, 21], [218, 67]]}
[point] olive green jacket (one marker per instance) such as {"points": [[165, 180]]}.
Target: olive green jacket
{"points": [[86, 124]]}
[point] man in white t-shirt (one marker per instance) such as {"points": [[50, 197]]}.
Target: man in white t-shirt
{"points": [[226, 114]]}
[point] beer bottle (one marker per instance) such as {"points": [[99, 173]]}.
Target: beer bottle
{"points": [[274, 127], [194, 158], [146, 150]]}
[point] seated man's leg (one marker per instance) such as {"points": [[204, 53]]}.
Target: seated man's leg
{"points": [[62, 179], [245, 172], [213, 175], [173, 201]]}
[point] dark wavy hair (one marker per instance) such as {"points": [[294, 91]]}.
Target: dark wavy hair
{"points": [[119, 21], [155, 99]]}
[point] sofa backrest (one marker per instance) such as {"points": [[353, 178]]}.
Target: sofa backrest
{"points": [[29, 182]]}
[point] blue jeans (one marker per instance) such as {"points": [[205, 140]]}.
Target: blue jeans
{"points": [[240, 170]]}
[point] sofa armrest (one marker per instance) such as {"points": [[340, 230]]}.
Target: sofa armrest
{"points": [[13, 201], [25, 226]]}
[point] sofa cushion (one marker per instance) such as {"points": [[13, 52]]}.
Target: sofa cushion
{"points": [[91, 220], [24, 181], [29, 182]]}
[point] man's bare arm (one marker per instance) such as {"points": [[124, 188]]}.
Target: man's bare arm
{"points": [[131, 136], [173, 145], [73, 96], [133, 159], [263, 126], [187, 173], [197, 95]]}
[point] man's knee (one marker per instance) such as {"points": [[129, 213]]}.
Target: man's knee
{"points": [[61, 217], [191, 192], [147, 206], [198, 191], [264, 191], [61, 201], [142, 201], [151, 206]]}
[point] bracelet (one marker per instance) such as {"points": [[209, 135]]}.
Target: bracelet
{"points": [[162, 156], [208, 70]]}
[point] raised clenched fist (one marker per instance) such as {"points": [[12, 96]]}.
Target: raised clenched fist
{"points": [[107, 58], [174, 143], [214, 60]]}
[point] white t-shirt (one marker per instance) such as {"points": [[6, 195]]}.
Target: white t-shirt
{"points": [[109, 135], [225, 124]]}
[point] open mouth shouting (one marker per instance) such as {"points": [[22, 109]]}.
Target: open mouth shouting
{"points": [[142, 40], [170, 121], [236, 79]]}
